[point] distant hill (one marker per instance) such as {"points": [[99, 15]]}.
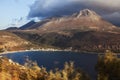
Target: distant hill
{"points": [[12, 28], [26, 26]]}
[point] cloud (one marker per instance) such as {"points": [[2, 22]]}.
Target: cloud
{"points": [[16, 22], [48, 8], [113, 17]]}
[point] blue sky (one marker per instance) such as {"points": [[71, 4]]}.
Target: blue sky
{"points": [[14, 12]]}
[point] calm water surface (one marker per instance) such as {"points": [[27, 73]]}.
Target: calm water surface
{"points": [[52, 60]]}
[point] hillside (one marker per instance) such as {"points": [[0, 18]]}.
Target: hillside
{"points": [[12, 42], [89, 41]]}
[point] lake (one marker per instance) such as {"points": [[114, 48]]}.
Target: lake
{"points": [[52, 60]]}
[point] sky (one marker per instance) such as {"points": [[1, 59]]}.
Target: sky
{"points": [[18, 12], [14, 12]]}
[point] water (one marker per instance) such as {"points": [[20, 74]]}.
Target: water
{"points": [[52, 60]]}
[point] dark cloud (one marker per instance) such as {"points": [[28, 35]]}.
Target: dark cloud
{"points": [[50, 8], [113, 17], [110, 10]]}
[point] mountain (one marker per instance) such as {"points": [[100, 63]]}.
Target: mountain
{"points": [[81, 31], [84, 20], [26, 26]]}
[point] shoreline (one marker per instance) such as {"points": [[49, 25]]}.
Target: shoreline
{"points": [[53, 50], [10, 52]]}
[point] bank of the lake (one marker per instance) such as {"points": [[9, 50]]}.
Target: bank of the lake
{"points": [[50, 49]]}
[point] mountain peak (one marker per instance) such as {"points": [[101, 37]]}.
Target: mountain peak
{"points": [[88, 13]]}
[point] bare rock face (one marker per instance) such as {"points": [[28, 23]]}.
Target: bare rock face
{"points": [[88, 13]]}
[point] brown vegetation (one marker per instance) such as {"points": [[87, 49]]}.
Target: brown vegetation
{"points": [[108, 67], [10, 42], [10, 70], [90, 41]]}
